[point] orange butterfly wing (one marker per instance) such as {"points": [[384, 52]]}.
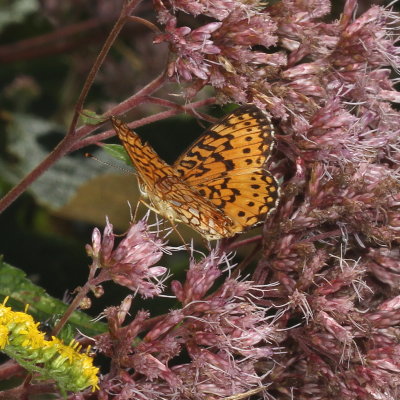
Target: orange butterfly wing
{"points": [[227, 165], [220, 185], [168, 194]]}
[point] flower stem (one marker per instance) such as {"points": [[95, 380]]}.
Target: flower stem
{"points": [[143, 121], [73, 135], [126, 10], [78, 299]]}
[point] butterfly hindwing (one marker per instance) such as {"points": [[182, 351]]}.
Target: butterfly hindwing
{"points": [[182, 204], [227, 166], [246, 198]]}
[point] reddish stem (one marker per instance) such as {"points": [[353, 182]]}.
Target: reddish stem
{"points": [[143, 121], [70, 139], [126, 10], [243, 242], [91, 282], [166, 114], [23, 392], [138, 97], [145, 22], [54, 42], [10, 369], [322, 236], [170, 104]]}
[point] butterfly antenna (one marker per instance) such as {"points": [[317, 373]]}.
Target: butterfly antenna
{"points": [[90, 155]]}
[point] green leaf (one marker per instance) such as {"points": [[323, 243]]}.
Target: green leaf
{"points": [[21, 291], [90, 117], [118, 152]]}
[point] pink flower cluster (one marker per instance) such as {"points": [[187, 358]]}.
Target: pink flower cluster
{"points": [[220, 53], [331, 326], [220, 336]]}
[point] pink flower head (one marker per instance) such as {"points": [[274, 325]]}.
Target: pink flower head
{"points": [[200, 277], [216, 9], [189, 48], [220, 53], [130, 262], [247, 28]]}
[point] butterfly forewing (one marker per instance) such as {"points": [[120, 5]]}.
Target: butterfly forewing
{"points": [[169, 195], [149, 166], [240, 142]]}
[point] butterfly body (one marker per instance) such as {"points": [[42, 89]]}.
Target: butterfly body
{"points": [[219, 186]]}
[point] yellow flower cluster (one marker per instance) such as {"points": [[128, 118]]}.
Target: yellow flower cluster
{"points": [[21, 340]]}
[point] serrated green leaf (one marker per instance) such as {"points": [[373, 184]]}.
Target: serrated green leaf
{"points": [[118, 152], [21, 291]]}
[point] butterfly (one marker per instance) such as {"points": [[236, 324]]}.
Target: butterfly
{"points": [[220, 185]]}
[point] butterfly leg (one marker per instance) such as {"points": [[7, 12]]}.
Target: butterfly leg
{"points": [[149, 206], [171, 221], [206, 243], [133, 218]]}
